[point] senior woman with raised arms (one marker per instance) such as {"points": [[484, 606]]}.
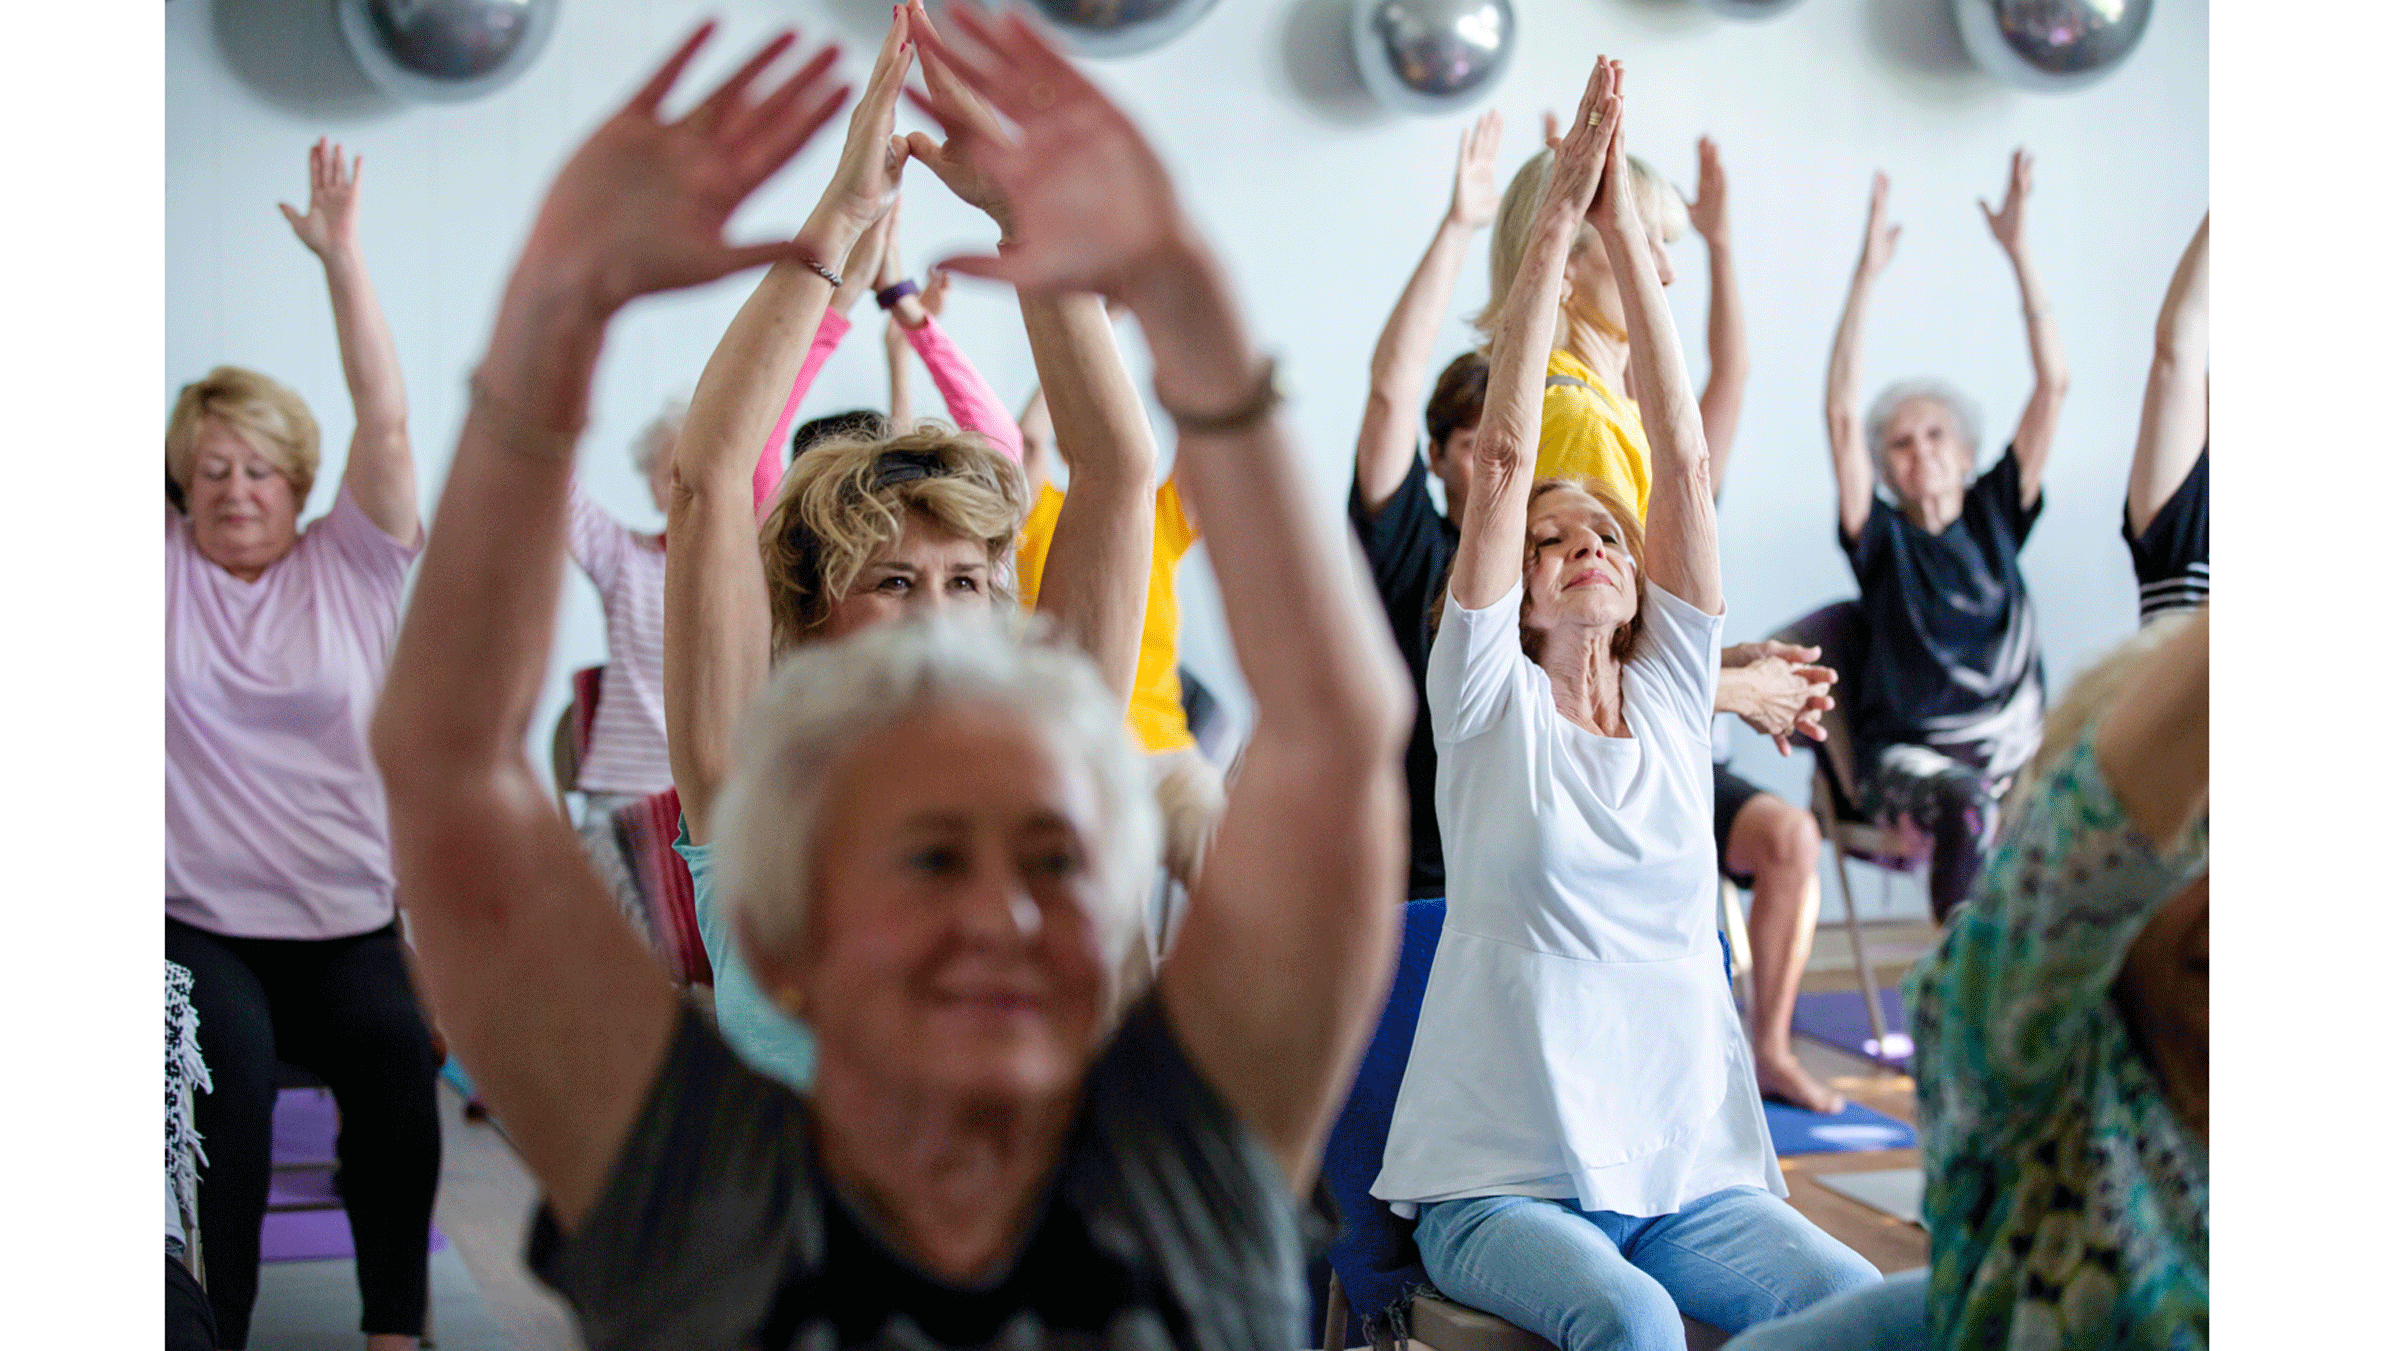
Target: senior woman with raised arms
{"points": [[278, 858], [935, 834], [1575, 1130], [864, 531]]}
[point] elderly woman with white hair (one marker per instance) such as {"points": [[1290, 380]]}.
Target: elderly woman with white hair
{"points": [[1948, 701], [279, 879], [1576, 1132], [936, 833]]}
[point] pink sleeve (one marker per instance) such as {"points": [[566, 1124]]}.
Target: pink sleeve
{"points": [[595, 539], [972, 404], [769, 473]]}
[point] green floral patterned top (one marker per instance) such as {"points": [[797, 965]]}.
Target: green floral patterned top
{"points": [[2068, 1206]]}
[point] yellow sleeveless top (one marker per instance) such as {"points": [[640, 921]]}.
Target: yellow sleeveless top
{"points": [[1590, 432], [1155, 714]]}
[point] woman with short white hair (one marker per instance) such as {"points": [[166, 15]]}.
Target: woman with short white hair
{"points": [[934, 831], [1577, 1133], [1948, 700]]}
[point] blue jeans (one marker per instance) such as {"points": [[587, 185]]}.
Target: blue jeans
{"points": [[1886, 1317], [1600, 1281]]}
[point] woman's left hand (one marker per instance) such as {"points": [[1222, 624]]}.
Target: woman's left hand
{"points": [[331, 224], [1612, 204], [1782, 699], [642, 206], [1707, 206], [2008, 223]]}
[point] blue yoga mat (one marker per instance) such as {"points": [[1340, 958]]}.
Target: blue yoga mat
{"points": [[1796, 1130], [1839, 1018]]}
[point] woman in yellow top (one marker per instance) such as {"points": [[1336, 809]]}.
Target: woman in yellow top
{"points": [[1191, 792], [1591, 422]]}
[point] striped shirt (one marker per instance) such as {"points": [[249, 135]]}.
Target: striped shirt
{"points": [[2170, 556], [629, 732]]}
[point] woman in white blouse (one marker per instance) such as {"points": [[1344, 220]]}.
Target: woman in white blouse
{"points": [[1576, 1132]]}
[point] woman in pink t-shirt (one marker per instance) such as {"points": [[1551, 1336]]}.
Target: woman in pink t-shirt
{"points": [[279, 871]]}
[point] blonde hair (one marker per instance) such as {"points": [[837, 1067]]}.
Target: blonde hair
{"points": [[841, 502], [265, 413], [828, 697], [1660, 205], [2094, 690]]}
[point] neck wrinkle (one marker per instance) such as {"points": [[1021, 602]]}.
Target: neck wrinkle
{"points": [[952, 1183], [1585, 681]]}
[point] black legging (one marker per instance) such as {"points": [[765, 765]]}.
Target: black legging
{"points": [[343, 1009]]}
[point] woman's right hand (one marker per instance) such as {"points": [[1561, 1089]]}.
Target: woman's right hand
{"points": [[1881, 238], [331, 225], [642, 205], [1578, 171], [1474, 194], [867, 177], [964, 115]]}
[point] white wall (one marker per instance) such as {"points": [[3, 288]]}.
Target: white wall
{"points": [[1321, 205]]}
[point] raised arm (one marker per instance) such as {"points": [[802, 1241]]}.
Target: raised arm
{"points": [[1033, 426], [1681, 528], [1095, 582], [2175, 403], [1387, 436], [718, 627], [381, 472], [550, 1001], [1491, 540], [895, 340], [858, 272], [1281, 967], [1853, 459], [966, 395], [2038, 427], [1728, 342]]}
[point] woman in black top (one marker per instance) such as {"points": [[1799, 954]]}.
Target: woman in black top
{"points": [[996, 1149], [1948, 698], [2166, 495]]}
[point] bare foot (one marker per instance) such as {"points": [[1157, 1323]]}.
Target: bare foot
{"points": [[1780, 1076]]}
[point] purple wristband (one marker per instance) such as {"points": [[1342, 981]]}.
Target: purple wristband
{"points": [[895, 293]]}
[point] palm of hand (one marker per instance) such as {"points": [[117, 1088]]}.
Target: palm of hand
{"points": [[647, 204], [1475, 200], [1090, 201], [2008, 223], [332, 219]]}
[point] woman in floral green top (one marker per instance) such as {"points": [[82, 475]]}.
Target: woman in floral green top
{"points": [[2062, 1048]]}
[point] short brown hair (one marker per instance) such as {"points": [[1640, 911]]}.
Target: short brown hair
{"points": [[264, 412], [850, 496], [1457, 398]]}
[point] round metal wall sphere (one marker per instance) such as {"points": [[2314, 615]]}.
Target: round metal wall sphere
{"points": [[2050, 45], [445, 51], [1747, 9], [1432, 56], [1119, 27]]}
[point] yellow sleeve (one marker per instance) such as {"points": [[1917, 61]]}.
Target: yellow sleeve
{"points": [[1033, 547], [1173, 531]]}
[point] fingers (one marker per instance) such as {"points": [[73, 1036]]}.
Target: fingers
{"points": [[1783, 747], [1486, 141], [715, 111], [646, 100], [291, 217], [765, 124], [1549, 127], [882, 97], [988, 266], [774, 141]]}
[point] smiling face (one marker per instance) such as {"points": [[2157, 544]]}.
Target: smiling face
{"points": [[1924, 454], [955, 943], [1580, 570], [928, 570], [245, 513]]}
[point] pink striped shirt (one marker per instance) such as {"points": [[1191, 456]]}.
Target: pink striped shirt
{"points": [[628, 753]]}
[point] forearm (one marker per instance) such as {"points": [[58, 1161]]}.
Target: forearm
{"points": [[1096, 580], [370, 359], [895, 360], [768, 473], [474, 645], [971, 402], [2041, 325], [1396, 378], [1491, 539], [1728, 363], [1737, 691], [1681, 529], [1307, 631], [2174, 423], [1853, 469], [734, 408]]}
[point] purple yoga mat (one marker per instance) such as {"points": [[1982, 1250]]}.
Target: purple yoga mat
{"points": [[1839, 1018], [305, 1124]]}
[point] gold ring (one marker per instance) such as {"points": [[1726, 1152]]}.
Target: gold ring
{"points": [[1041, 96], [1591, 119]]}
